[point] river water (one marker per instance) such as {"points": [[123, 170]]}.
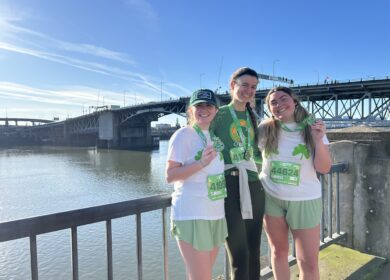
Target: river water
{"points": [[44, 180]]}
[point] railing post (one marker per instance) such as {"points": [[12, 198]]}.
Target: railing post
{"points": [[34, 257], [109, 250], [330, 205], [139, 246], [338, 202], [75, 261], [322, 230], [165, 243]]}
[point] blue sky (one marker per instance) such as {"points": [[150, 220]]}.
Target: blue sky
{"points": [[57, 58]]}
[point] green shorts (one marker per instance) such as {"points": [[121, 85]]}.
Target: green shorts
{"points": [[298, 214], [203, 235]]}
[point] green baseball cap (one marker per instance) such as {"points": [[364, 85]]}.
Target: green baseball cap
{"points": [[203, 96]]}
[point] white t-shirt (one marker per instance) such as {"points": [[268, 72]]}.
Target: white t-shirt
{"points": [[289, 174], [190, 199]]}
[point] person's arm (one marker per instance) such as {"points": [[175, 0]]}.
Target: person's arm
{"points": [[175, 171], [322, 159]]}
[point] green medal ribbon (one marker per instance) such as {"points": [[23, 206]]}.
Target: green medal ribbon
{"points": [[217, 143], [309, 120], [201, 134], [248, 153]]}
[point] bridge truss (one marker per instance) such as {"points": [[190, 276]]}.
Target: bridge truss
{"points": [[359, 101], [363, 101], [154, 110]]}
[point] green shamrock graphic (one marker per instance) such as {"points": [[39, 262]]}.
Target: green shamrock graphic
{"points": [[199, 155], [301, 149]]}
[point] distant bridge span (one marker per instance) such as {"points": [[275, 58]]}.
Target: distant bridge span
{"points": [[7, 121], [352, 101]]}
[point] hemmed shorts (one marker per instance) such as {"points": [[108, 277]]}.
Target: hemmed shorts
{"points": [[203, 235], [299, 214]]}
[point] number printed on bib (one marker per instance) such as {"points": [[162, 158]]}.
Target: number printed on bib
{"points": [[237, 154], [216, 186], [286, 173]]}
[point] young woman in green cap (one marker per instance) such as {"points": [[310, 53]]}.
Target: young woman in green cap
{"points": [[195, 166]]}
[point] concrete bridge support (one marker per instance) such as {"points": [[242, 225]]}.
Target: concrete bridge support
{"points": [[136, 133], [365, 194], [108, 130]]}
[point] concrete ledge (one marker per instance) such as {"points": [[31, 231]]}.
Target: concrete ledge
{"points": [[338, 262]]}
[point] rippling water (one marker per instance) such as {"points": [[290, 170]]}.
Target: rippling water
{"points": [[45, 180], [38, 181]]}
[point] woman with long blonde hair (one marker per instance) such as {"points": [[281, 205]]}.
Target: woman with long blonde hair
{"points": [[294, 148]]}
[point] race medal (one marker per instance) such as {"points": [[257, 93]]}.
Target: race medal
{"points": [[248, 153], [218, 144], [246, 150], [216, 186], [237, 154], [286, 173], [311, 119]]}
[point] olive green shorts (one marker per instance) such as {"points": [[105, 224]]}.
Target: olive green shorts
{"points": [[203, 235], [299, 214]]}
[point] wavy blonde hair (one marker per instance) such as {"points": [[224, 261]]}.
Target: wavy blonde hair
{"points": [[270, 129]]}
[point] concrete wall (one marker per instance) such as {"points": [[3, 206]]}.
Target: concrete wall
{"points": [[365, 194]]}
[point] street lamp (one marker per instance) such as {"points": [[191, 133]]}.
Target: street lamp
{"points": [[273, 70]]}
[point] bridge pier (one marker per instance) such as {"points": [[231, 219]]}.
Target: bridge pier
{"points": [[137, 136]]}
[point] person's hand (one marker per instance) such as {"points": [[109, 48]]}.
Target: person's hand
{"points": [[318, 130], [208, 155]]}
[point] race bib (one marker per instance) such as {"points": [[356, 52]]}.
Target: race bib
{"points": [[216, 186], [286, 173], [237, 154]]}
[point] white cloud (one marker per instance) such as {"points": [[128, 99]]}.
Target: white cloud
{"points": [[75, 96], [15, 38]]}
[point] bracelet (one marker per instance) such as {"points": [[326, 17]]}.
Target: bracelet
{"points": [[201, 163]]}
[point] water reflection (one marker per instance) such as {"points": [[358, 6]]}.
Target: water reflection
{"points": [[37, 181]]}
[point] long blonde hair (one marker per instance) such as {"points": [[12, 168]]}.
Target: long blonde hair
{"points": [[190, 116], [269, 131]]}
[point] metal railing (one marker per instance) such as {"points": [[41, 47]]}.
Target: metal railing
{"points": [[31, 227]]}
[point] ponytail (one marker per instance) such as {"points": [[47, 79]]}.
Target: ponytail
{"points": [[254, 122]]}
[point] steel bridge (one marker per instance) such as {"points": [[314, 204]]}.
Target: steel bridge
{"points": [[338, 103]]}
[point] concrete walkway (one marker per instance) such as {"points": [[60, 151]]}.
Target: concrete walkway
{"points": [[338, 263]]}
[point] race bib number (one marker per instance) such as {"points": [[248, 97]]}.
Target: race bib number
{"points": [[237, 154], [216, 186], [286, 173]]}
